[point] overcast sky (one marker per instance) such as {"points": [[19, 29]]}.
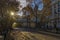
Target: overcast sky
{"points": [[24, 4]]}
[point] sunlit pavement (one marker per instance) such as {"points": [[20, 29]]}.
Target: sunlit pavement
{"points": [[1, 37], [25, 35]]}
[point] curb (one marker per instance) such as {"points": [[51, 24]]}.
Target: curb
{"points": [[48, 33]]}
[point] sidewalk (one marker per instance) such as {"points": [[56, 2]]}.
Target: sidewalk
{"points": [[42, 32], [49, 33], [1, 37]]}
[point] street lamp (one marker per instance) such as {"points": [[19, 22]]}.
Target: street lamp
{"points": [[12, 13]]}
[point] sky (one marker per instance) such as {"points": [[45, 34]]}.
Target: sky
{"points": [[23, 3], [39, 3]]}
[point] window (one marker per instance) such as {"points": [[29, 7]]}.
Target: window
{"points": [[53, 0], [59, 3], [59, 6], [59, 10]]}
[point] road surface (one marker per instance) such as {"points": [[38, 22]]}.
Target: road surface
{"points": [[25, 35]]}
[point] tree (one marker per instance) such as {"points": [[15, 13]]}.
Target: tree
{"points": [[33, 8], [6, 20], [5, 7]]}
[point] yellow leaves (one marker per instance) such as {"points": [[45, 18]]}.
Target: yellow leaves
{"points": [[47, 13], [47, 8], [15, 25], [46, 2], [27, 8]]}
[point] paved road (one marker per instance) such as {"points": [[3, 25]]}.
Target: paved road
{"points": [[25, 35]]}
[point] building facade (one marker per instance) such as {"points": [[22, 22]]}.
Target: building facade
{"points": [[54, 18]]}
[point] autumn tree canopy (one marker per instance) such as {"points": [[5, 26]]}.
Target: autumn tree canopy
{"points": [[5, 7]]}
